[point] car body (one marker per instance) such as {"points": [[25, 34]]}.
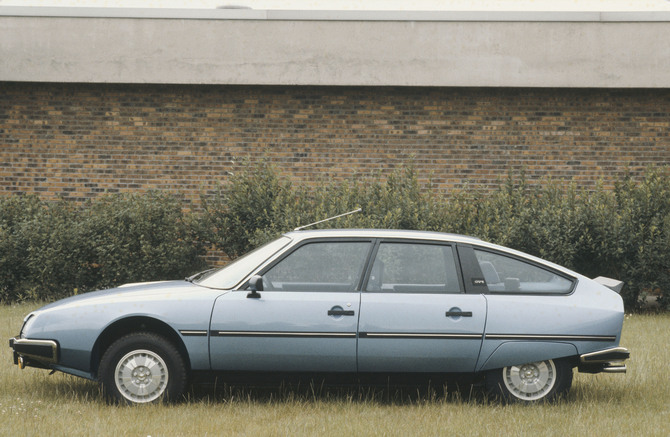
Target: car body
{"points": [[341, 302]]}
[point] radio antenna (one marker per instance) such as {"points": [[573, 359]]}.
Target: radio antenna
{"points": [[328, 219]]}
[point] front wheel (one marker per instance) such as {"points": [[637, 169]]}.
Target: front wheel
{"points": [[142, 367], [532, 382]]}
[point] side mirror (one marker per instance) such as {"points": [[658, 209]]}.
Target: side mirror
{"points": [[255, 285]]}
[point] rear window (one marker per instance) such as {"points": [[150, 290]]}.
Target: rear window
{"points": [[504, 274]]}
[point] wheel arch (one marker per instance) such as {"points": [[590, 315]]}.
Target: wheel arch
{"points": [[520, 352], [132, 324]]}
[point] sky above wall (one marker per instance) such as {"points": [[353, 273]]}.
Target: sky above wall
{"points": [[378, 5]]}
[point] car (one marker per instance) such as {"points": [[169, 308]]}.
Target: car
{"points": [[359, 304]]}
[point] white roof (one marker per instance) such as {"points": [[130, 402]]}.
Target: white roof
{"points": [[382, 233], [369, 5]]}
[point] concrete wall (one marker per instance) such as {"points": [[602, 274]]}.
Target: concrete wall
{"points": [[245, 47]]}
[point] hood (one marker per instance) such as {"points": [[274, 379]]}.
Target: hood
{"points": [[127, 292]]}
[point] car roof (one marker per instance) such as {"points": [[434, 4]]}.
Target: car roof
{"points": [[382, 233]]}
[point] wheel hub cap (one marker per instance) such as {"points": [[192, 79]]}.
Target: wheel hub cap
{"points": [[530, 381], [141, 376], [529, 374]]}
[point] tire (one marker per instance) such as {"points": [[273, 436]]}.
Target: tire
{"points": [[140, 368], [542, 381]]}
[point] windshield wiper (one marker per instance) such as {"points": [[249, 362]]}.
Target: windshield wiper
{"points": [[197, 275]]}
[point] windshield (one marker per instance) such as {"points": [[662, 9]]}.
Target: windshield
{"points": [[229, 276]]}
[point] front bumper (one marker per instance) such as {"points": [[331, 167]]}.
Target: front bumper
{"points": [[34, 353], [605, 361]]}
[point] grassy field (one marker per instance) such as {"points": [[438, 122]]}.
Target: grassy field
{"points": [[637, 403]]}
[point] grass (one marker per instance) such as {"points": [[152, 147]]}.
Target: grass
{"points": [[637, 403]]}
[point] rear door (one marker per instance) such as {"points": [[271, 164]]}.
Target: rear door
{"points": [[415, 316]]}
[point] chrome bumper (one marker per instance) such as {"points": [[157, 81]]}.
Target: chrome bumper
{"points": [[34, 353], [605, 361]]}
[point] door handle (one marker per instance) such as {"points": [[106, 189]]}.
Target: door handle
{"points": [[340, 312], [459, 314]]}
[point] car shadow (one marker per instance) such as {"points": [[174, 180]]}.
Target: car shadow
{"points": [[56, 387], [315, 391]]}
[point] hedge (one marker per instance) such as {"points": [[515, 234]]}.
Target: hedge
{"points": [[53, 249], [622, 233], [50, 250]]}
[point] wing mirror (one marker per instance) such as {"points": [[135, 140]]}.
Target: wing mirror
{"points": [[255, 285]]}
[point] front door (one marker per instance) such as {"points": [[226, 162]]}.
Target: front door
{"points": [[305, 319]]}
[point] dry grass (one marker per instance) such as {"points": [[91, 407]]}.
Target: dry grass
{"points": [[638, 403]]}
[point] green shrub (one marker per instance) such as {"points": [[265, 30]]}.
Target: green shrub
{"points": [[53, 249], [621, 233], [258, 205], [50, 250], [140, 238], [238, 213], [53, 252], [636, 235], [14, 212]]}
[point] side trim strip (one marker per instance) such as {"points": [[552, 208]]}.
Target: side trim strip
{"points": [[608, 338], [284, 334], [426, 336], [401, 335], [193, 333]]}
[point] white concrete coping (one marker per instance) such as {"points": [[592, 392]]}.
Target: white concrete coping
{"points": [[335, 15]]}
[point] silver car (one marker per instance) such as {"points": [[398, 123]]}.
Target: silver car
{"points": [[346, 303]]}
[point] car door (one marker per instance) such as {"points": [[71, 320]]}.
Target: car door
{"points": [[305, 319], [415, 316]]}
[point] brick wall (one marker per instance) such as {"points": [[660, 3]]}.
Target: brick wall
{"points": [[79, 141]]}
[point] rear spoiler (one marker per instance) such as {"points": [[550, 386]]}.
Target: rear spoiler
{"points": [[610, 283]]}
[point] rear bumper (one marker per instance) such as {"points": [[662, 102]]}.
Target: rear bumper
{"points": [[34, 353], [605, 361]]}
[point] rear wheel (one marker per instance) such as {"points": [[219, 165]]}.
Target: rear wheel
{"points": [[142, 367], [532, 382]]}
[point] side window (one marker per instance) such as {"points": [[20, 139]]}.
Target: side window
{"points": [[323, 266], [413, 268], [504, 274]]}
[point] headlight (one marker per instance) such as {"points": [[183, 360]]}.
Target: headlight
{"points": [[30, 318]]}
